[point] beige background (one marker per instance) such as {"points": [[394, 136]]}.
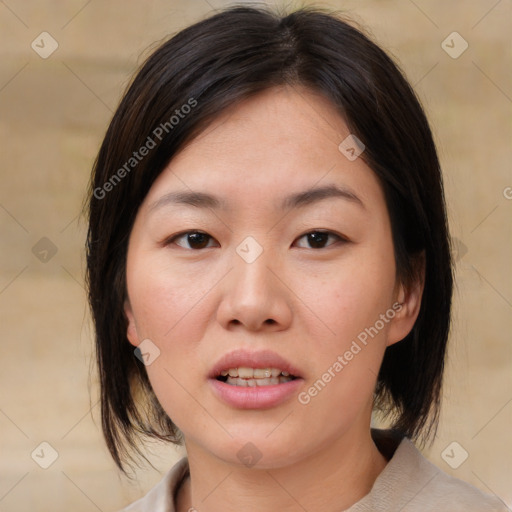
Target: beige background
{"points": [[53, 114]]}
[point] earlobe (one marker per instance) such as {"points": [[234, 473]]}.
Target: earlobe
{"points": [[131, 329], [407, 305]]}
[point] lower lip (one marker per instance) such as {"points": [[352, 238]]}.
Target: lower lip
{"points": [[263, 397]]}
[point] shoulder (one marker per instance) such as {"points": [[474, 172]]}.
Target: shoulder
{"points": [[161, 497], [430, 488], [411, 483], [456, 495]]}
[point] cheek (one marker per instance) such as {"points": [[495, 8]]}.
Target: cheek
{"points": [[164, 300], [349, 301], [349, 296], [172, 310]]}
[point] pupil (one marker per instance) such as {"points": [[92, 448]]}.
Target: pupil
{"points": [[198, 239], [317, 240]]}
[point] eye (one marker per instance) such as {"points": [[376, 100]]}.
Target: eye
{"points": [[194, 239], [318, 239]]}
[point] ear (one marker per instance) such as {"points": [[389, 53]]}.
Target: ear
{"points": [[131, 330], [407, 303]]}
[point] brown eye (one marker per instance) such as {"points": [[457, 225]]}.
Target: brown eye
{"points": [[195, 240], [319, 239]]}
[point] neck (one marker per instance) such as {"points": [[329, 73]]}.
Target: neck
{"points": [[332, 479]]}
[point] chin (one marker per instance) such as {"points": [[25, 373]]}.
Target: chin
{"points": [[258, 451]]}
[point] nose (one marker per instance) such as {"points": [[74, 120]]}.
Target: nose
{"points": [[255, 297]]}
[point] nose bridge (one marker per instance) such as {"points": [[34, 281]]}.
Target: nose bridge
{"points": [[253, 295], [252, 274]]}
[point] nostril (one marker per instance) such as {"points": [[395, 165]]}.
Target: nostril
{"points": [[270, 321]]}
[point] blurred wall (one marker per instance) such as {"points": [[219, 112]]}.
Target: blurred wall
{"points": [[53, 114]]}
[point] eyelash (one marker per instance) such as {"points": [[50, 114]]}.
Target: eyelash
{"points": [[172, 240]]}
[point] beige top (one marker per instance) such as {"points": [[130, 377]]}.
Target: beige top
{"points": [[408, 483]]}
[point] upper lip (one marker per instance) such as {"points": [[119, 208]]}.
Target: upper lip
{"points": [[262, 359]]}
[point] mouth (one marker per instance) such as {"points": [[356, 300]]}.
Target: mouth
{"points": [[254, 377], [254, 380]]}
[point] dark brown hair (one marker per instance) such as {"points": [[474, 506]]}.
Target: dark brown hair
{"points": [[214, 64]]}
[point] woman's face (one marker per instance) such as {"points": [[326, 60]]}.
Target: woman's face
{"points": [[288, 264]]}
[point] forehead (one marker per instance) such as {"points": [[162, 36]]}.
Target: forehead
{"points": [[270, 145], [290, 118]]}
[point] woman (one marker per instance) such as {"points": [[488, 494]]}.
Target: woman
{"points": [[268, 265]]}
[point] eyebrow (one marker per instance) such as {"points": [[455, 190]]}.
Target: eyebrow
{"points": [[198, 199], [314, 195], [297, 200]]}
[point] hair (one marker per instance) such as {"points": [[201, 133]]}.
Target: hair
{"points": [[210, 66]]}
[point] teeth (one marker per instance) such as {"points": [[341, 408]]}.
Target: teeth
{"points": [[257, 382], [261, 373], [254, 373], [245, 373]]}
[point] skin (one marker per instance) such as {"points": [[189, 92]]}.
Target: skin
{"points": [[197, 304]]}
